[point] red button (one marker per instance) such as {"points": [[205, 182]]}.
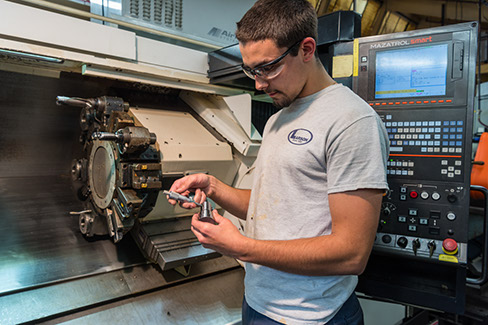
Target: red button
{"points": [[414, 194], [449, 246]]}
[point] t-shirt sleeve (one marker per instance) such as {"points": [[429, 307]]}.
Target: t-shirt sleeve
{"points": [[356, 157]]}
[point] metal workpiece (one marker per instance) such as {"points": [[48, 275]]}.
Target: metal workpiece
{"points": [[206, 213]]}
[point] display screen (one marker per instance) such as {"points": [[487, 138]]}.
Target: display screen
{"points": [[411, 72]]}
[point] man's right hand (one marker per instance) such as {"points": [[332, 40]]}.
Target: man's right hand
{"points": [[196, 183]]}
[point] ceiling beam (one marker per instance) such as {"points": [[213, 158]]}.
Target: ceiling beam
{"points": [[460, 11]]}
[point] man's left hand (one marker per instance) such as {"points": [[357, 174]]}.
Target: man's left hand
{"points": [[223, 237]]}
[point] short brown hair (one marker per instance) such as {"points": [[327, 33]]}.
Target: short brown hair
{"points": [[284, 21]]}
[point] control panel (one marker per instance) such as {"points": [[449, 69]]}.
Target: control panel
{"points": [[421, 83], [428, 197]]}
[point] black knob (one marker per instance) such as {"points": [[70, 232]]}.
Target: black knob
{"points": [[402, 242], [386, 239], [452, 198], [415, 245]]}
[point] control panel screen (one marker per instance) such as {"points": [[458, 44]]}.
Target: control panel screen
{"points": [[411, 72]]}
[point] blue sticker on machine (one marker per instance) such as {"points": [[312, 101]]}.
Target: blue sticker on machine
{"points": [[300, 137]]}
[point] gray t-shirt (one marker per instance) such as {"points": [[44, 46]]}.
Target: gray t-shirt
{"points": [[328, 142]]}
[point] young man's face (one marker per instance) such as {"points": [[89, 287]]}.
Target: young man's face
{"points": [[284, 80]]}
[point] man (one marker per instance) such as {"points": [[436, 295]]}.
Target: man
{"points": [[312, 214]]}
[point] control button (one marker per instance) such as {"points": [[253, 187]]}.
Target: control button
{"points": [[364, 59], [402, 242], [424, 195], [450, 246], [452, 198], [434, 230], [435, 214], [412, 212], [436, 196], [413, 194], [403, 197], [402, 219], [386, 239], [424, 221], [412, 228], [451, 216]]}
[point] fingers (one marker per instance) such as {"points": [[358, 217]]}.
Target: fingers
{"points": [[196, 227], [200, 196], [217, 217], [192, 183]]}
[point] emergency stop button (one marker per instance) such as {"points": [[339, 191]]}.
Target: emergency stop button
{"points": [[414, 194], [450, 246]]}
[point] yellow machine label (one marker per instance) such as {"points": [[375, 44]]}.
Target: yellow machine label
{"points": [[355, 58], [144, 166], [448, 258]]}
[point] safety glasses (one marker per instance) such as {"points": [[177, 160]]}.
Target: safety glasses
{"points": [[268, 70]]}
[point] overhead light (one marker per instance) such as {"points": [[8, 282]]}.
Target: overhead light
{"points": [[30, 56]]}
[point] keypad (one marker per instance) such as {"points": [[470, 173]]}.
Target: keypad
{"points": [[424, 138], [451, 169]]}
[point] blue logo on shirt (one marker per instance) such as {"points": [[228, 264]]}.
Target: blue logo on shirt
{"points": [[300, 137]]}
